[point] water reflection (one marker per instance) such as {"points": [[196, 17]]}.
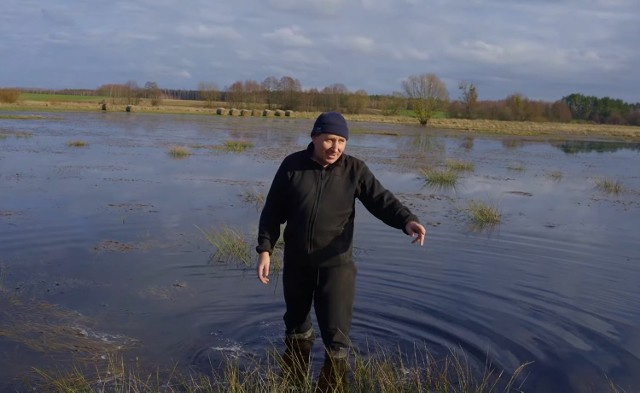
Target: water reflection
{"points": [[574, 147]]}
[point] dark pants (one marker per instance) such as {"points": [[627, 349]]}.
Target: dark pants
{"points": [[331, 290]]}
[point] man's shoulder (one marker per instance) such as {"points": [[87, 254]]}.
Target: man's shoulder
{"points": [[351, 162], [296, 159]]}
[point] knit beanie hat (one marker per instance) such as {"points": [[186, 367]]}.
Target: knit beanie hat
{"points": [[331, 123]]}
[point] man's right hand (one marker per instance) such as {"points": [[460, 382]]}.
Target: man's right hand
{"points": [[264, 261]]}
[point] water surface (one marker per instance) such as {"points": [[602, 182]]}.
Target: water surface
{"points": [[107, 236]]}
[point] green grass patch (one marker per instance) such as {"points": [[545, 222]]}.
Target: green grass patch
{"points": [[460, 166], [230, 246], [179, 152], [483, 214], [439, 178], [609, 186], [237, 146], [77, 143]]}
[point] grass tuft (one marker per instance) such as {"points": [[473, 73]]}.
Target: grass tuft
{"points": [[237, 146], [380, 371], [77, 143], [440, 178], [179, 152], [460, 166], [254, 198], [483, 214], [230, 245], [609, 186]]}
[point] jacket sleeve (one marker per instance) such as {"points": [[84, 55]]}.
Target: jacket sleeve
{"points": [[273, 213], [381, 202]]}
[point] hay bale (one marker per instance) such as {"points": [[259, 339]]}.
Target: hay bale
{"points": [[220, 111], [256, 112], [267, 112], [288, 113], [234, 112], [279, 112], [245, 112]]}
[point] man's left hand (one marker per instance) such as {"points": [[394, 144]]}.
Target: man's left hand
{"points": [[415, 229]]}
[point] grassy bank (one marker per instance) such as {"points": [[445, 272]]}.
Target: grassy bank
{"points": [[62, 103]]}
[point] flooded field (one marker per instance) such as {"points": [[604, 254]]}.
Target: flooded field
{"points": [[103, 247]]}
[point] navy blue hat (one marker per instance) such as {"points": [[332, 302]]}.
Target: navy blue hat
{"points": [[331, 123]]}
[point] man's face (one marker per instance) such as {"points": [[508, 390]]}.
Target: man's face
{"points": [[327, 148]]}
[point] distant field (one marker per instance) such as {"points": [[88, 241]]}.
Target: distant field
{"points": [[61, 102], [60, 97]]}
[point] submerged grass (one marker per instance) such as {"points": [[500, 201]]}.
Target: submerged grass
{"points": [[517, 167], [439, 178], [237, 146], [483, 214], [609, 186], [254, 198], [380, 371], [15, 134], [179, 152], [229, 244], [77, 143], [460, 166], [556, 175]]}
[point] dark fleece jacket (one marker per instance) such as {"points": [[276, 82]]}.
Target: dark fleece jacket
{"points": [[318, 206]]}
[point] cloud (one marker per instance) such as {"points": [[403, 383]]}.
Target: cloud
{"points": [[325, 7], [201, 31], [289, 36]]}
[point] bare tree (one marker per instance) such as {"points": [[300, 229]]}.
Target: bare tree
{"points": [[235, 94], [334, 95], [357, 102], [427, 94], [153, 92], [270, 86], [469, 98], [289, 89], [208, 92]]}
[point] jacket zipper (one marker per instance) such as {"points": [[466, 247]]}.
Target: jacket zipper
{"points": [[314, 211]]}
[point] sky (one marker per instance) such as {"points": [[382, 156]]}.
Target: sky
{"points": [[542, 49]]}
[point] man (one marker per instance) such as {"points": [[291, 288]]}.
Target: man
{"points": [[314, 193]]}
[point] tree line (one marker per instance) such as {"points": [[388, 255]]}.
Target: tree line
{"points": [[424, 96]]}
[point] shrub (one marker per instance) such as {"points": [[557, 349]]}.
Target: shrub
{"points": [[9, 96]]}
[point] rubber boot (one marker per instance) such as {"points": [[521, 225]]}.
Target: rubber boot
{"points": [[295, 367], [333, 376]]}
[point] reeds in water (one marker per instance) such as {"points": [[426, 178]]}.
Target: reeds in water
{"points": [[484, 214], [438, 178], [179, 152], [230, 246], [609, 186], [237, 146], [77, 143], [378, 372], [460, 166]]}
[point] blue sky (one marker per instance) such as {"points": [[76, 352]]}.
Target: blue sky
{"points": [[544, 49]]}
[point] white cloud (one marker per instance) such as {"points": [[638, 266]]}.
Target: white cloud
{"points": [[201, 31], [289, 36], [361, 44]]}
